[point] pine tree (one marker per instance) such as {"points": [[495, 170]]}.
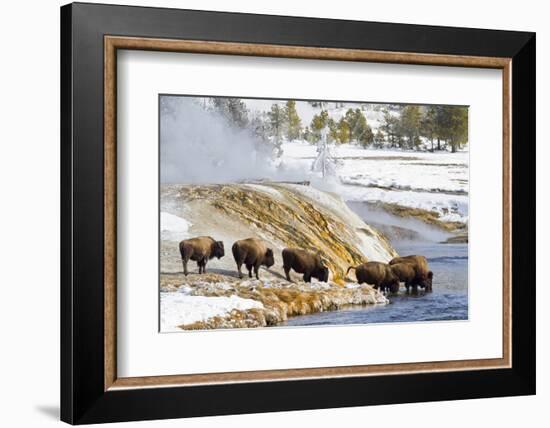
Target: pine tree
{"points": [[428, 124], [390, 127], [233, 109], [343, 131], [293, 122], [318, 122], [410, 124], [333, 129], [458, 127], [379, 139], [276, 119], [259, 127], [442, 124], [452, 126], [307, 135], [357, 126]]}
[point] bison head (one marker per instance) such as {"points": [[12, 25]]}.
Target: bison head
{"points": [[392, 281], [269, 258], [322, 274], [217, 249], [394, 286], [428, 281]]}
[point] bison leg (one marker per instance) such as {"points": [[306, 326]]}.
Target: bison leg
{"points": [[239, 265], [256, 269], [249, 267], [202, 265], [287, 273], [307, 277], [185, 256]]}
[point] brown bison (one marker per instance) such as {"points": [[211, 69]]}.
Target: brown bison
{"points": [[405, 272], [200, 249], [253, 253], [378, 274], [423, 275], [306, 262]]}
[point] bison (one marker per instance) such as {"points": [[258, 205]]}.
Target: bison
{"points": [[253, 253], [200, 249], [378, 274], [423, 276], [306, 262], [405, 272]]}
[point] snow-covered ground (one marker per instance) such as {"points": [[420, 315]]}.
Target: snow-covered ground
{"points": [[172, 227], [418, 179], [430, 181], [180, 307]]}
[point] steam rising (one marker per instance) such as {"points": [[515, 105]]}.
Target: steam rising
{"points": [[374, 215], [200, 146]]}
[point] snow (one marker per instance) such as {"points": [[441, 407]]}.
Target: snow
{"points": [[326, 200], [265, 189], [324, 162], [180, 307], [431, 181], [172, 227], [353, 285]]}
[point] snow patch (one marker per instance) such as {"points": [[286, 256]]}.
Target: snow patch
{"points": [[178, 308], [172, 227]]}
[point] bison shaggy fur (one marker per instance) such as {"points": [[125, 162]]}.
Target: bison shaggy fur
{"points": [[200, 249], [378, 274], [253, 253], [306, 262], [423, 275]]}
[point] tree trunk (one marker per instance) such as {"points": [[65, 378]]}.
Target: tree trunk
{"points": [[438, 143]]}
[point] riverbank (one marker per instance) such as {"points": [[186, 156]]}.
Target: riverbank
{"points": [[214, 301]]}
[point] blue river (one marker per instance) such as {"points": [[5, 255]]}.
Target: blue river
{"points": [[448, 301]]}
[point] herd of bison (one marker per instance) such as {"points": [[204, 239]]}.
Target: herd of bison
{"points": [[412, 270]]}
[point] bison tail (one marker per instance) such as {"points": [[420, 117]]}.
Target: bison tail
{"points": [[235, 250], [182, 248], [350, 268]]}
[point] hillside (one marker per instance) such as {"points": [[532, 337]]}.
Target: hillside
{"points": [[282, 214]]}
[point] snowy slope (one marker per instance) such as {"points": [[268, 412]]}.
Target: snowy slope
{"points": [[436, 182]]}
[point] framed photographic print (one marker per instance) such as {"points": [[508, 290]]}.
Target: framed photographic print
{"points": [[265, 213]]}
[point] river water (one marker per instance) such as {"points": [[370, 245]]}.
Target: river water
{"points": [[448, 301]]}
